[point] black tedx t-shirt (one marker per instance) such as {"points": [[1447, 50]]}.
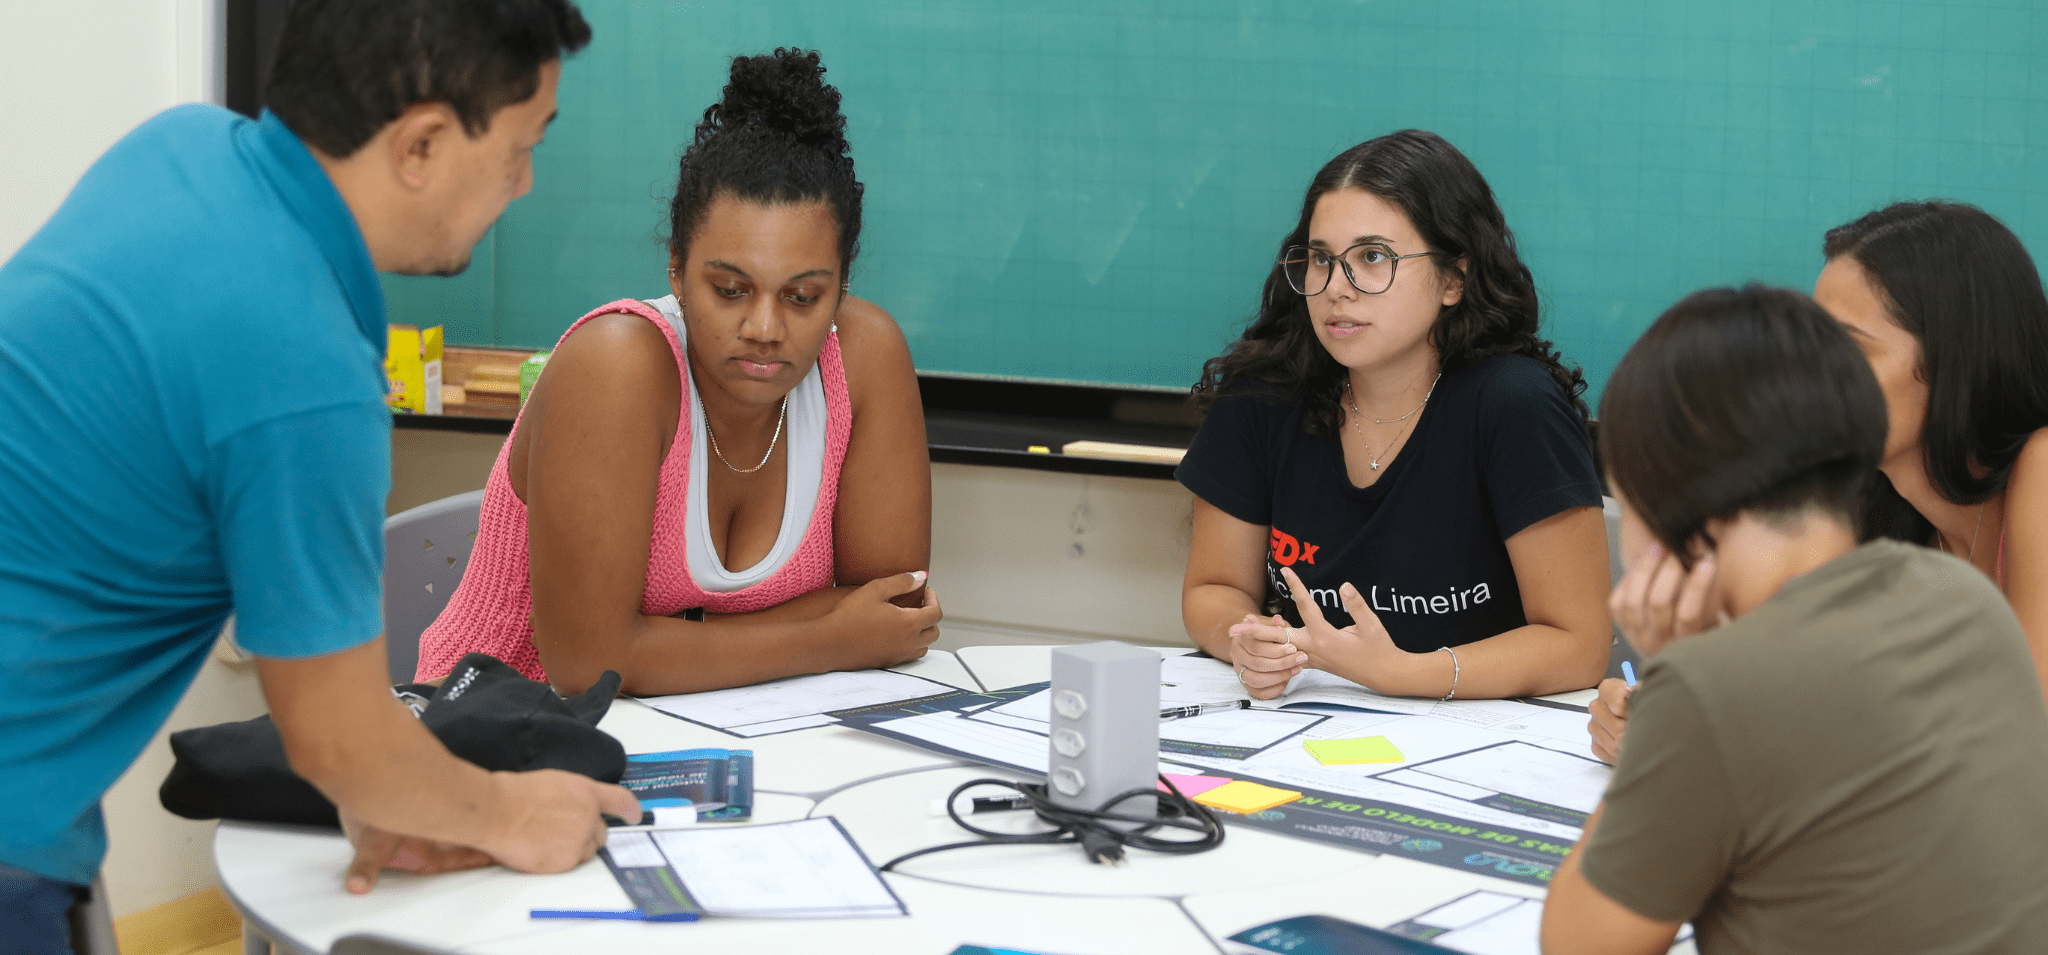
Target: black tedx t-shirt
{"points": [[1499, 447]]}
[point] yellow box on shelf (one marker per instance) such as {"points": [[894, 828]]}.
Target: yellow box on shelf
{"points": [[412, 363]]}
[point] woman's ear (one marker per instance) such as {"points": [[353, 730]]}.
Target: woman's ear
{"points": [[1454, 282], [675, 278]]}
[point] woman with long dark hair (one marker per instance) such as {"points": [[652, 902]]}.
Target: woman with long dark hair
{"points": [[729, 483], [1394, 464], [1948, 306]]}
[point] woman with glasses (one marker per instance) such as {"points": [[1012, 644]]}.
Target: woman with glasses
{"points": [[1394, 482], [729, 483]]}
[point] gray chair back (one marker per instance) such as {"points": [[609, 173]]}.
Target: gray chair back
{"points": [[426, 549], [1611, 510], [92, 922], [366, 944]]}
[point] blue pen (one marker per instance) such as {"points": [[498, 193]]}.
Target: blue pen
{"points": [[629, 915], [1628, 673]]}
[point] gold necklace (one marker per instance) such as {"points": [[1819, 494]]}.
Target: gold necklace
{"points": [[1357, 414], [779, 419]]}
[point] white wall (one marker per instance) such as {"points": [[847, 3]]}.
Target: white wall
{"points": [[78, 74]]}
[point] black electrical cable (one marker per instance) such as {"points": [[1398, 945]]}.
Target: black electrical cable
{"points": [[1093, 829]]}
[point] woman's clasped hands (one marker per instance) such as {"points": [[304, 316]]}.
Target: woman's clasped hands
{"points": [[1267, 653]]}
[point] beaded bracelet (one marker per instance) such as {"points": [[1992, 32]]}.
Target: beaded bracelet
{"points": [[1454, 675]]}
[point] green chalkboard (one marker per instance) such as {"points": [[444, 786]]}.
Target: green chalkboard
{"points": [[1091, 190]]}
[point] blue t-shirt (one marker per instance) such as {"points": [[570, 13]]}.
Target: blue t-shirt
{"points": [[191, 423]]}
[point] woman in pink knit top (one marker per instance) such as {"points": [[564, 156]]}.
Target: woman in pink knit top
{"points": [[728, 484]]}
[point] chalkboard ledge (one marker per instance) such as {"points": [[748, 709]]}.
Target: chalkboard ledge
{"points": [[992, 423]]}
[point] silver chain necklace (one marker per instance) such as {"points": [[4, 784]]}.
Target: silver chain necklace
{"points": [[1411, 411], [779, 419], [1357, 414], [1972, 557]]}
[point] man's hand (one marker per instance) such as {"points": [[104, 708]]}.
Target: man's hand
{"points": [[551, 823]]}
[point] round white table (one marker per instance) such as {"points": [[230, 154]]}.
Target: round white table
{"points": [[286, 881]]}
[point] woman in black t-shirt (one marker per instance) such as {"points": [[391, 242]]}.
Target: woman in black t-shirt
{"points": [[1393, 461]]}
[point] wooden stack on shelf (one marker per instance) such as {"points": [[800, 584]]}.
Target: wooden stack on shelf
{"points": [[493, 385], [481, 381]]}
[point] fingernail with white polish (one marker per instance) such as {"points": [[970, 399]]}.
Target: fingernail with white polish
{"points": [[919, 576]]}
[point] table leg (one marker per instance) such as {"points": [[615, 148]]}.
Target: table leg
{"points": [[253, 942]]}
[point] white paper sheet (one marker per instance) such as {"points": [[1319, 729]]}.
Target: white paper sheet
{"points": [[633, 849], [1248, 728], [1252, 729], [1531, 772], [1494, 923], [786, 870], [1420, 739], [1511, 929], [797, 698], [1003, 744]]}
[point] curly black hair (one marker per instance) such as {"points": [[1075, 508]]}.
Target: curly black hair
{"points": [[1452, 206], [775, 136]]}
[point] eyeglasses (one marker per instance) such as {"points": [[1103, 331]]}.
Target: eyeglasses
{"points": [[1369, 266]]}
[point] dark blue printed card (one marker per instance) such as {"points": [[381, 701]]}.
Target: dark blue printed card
{"points": [[718, 782]]}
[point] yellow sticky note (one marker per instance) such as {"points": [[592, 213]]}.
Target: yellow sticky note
{"points": [[1344, 752], [1243, 797]]}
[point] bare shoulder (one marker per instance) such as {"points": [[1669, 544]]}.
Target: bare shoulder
{"points": [[876, 354], [617, 361], [2033, 457], [2027, 485], [868, 333], [616, 343]]}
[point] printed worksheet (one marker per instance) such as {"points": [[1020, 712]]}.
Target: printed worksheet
{"points": [[1234, 733], [1485, 774], [796, 703], [804, 869]]}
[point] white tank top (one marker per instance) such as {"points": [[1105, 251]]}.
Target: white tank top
{"points": [[804, 433]]}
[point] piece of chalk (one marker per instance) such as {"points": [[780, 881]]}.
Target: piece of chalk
{"points": [[1039, 449]]}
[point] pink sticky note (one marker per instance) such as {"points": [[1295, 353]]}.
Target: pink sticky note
{"points": [[1192, 786]]}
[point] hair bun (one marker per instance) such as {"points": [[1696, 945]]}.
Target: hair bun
{"points": [[784, 92]]}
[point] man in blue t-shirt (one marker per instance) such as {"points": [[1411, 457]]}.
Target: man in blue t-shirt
{"points": [[192, 424]]}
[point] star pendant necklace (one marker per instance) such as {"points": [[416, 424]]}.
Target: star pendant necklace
{"points": [[1357, 414]]}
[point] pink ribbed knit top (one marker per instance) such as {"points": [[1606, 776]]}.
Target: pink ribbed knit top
{"points": [[492, 609]]}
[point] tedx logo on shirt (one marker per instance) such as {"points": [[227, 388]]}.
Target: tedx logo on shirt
{"points": [[1286, 549]]}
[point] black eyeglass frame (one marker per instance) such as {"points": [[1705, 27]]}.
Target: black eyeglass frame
{"points": [[1342, 259]]}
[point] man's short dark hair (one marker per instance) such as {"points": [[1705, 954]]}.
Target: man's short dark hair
{"points": [[1734, 400], [346, 68]]}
